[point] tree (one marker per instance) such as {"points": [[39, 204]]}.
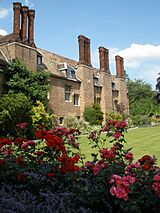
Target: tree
{"points": [[158, 89], [141, 102], [93, 114], [23, 89], [33, 84], [141, 97], [14, 109]]}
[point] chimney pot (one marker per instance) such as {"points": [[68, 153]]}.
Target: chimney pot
{"points": [[84, 50], [31, 16], [16, 25], [24, 12], [119, 66], [104, 59]]}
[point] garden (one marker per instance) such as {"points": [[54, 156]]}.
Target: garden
{"points": [[47, 168], [50, 174]]}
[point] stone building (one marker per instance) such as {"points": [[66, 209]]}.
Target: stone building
{"points": [[74, 84]]}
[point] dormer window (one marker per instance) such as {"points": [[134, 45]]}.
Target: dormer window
{"points": [[70, 74], [68, 70], [113, 86], [39, 59], [95, 80]]}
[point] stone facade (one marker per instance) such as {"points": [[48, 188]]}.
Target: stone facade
{"points": [[74, 84]]}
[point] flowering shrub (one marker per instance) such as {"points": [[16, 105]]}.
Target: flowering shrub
{"points": [[51, 171]]}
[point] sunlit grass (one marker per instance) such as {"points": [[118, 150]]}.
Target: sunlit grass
{"points": [[142, 140]]}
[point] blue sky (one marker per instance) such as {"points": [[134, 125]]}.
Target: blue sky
{"points": [[128, 28]]}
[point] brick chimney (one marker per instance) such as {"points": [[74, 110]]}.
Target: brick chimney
{"points": [[104, 59], [84, 50], [119, 66], [16, 25], [31, 16], [24, 13]]}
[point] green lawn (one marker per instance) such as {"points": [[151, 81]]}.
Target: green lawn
{"points": [[142, 140]]}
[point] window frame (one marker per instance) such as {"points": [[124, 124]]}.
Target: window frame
{"points": [[39, 59], [67, 92], [76, 100]]}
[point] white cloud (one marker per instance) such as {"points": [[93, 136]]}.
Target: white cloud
{"points": [[140, 61], [3, 32], [138, 53], [27, 3], [3, 12], [151, 74], [95, 58]]}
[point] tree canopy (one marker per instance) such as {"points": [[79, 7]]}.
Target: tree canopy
{"points": [[33, 84], [23, 90], [141, 98]]}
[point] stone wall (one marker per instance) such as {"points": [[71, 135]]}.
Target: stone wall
{"points": [[85, 74], [25, 53], [57, 97]]}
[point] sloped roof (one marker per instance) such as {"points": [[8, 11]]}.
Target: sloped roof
{"points": [[8, 38], [52, 60], [3, 58]]}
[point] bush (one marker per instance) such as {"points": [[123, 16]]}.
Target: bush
{"points": [[71, 121], [14, 109], [141, 120], [115, 116], [40, 118], [33, 174], [93, 114]]}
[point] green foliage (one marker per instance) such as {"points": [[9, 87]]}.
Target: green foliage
{"points": [[141, 120], [141, 102], [54, 169], [33, 84], [23, 88], [71, 121], [141, 97], [115, 116], [14, 109], [93, 114], [40, 118]]}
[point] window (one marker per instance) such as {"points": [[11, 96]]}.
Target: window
{"points": [[70, 74], [61, 120], [97, 100], [69, 71], [95, 80], [39, 59], [113, 86], [76, 99], [67, 93]]}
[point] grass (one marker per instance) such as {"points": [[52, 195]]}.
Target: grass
{"points": [[142, 140]]}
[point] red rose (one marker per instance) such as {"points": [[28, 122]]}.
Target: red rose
{"points": [[117, 135], [21, 177], [129, 156], [146, 166], [2, 162], [51, 174]]}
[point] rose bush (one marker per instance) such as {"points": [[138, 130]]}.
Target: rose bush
{"points": [[49, 174]]}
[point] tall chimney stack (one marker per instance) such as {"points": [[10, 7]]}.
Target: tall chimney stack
{"points": [[24, 12], [31, 16], [104, 59], [84, 50], [119, 66], [17, 12]]}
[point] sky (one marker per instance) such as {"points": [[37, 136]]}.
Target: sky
{"points": [[129, 28]]}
